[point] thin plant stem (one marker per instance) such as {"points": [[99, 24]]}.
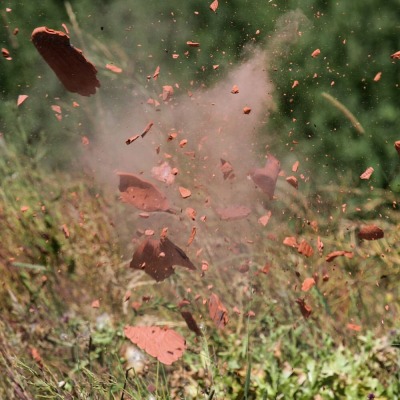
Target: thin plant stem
{"points": [[347, 113]]}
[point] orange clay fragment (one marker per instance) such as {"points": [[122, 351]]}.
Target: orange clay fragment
{"points": [[265, 218], [114, 68], [265, 178], [192, 236], [217, 311], [305, 309], [21, 99], [167, 92], [185, 193], [235, 89], [395, 56], [191, 213], [292, 180], [331, 256], [157, 258], [295, 166], [290, 241], [214, 5], [141, 194], [307, 284], [226, 169], [160, 342], [397, 146], [6, 54], [76, 73], [354, 327], [371, 232], [305, 249], [377, 77], [367, 174], [316, 53], [246, 110]]}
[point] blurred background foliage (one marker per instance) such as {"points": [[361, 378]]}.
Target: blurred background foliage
{"points": [[356, 40]]}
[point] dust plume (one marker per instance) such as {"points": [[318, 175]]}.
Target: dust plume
{"points": [[215, 126], [211, 120]]}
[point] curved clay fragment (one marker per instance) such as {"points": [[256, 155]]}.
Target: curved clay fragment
{"points": [[76, 73], [371, 232], [160, 342], [141, 194], [265, 178], [218, 312], [158, 257]]}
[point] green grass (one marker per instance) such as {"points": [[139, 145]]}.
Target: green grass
{"points": [[49, 281]]}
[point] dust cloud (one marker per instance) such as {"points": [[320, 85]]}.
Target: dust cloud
{"points": [[214, 125], [213, 122]]}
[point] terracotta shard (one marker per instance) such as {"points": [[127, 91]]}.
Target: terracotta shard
{"points": [[156, 72], [305, 309], [316, 53], [214, 5], [235, 89], [331, 256], [292, 180], [265, 218], [305, 249], [184, 192], [191, 322], [226, 169], [163, 173], [114, 68], [307, 284], [218, 312], [76, 73], [371, 232], [395, 56], [192, 236], [397, 146], [167, 92], [295, 166], [265, 178], [377, 77], [320, 245], [6, 54], [146, 129], [246, 110], [132, 139], [354, 327], [367, 173], [290, 241], [158, 257], [162, 343], [36, 356], [21, 99], [141, 194]]}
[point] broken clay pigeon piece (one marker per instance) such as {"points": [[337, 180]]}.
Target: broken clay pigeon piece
{"points": [[371, 232], [76, 73], [218, 312], [162, 343], [265, 178], [158, 257], [141, 194], [191, 322]]}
